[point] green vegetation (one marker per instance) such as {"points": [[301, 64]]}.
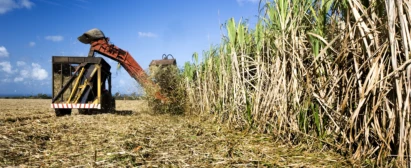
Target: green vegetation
{"points": [[38, 96], [132, 96], [327, 71]]}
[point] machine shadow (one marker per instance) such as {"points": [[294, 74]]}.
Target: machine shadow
{"points": [[122, 112], [97, 112]]}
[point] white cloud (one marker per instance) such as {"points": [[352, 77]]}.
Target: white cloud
{"points": [[54, 38], [6, 67], [37, 72], [26, 3], [5, 80], [18, 79], [9, 5], [241, 2], [3, 52], [32, 44], [21, 63], [24, 73], [146, 34]]}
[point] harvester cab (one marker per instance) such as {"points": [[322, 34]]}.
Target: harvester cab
{"points": [[84, 83]]}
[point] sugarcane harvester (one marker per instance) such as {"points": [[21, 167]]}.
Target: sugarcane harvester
{"points": [[84, 83]]}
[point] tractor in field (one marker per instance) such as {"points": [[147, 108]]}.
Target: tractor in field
{"points": [[84, 83]]}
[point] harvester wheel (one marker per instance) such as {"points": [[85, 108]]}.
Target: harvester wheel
{"points": [[113, 105], [106, 103], [62, 112]]}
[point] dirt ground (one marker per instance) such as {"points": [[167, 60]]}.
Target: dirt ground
{"points": [[30, 135]]}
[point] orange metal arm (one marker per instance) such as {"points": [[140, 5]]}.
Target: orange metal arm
{"points": [[111, 51]]}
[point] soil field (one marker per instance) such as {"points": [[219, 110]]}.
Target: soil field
{"points": [[31, 135]]}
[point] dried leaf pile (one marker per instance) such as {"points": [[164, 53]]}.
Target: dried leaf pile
{"points": [[30, 135], [171, 85]]}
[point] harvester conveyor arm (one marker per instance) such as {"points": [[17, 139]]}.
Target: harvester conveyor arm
{"points": [[123, 57]]}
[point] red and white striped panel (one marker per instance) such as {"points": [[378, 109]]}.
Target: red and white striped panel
{"points": [[75, 106]]}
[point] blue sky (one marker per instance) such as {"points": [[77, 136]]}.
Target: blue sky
{"points": [[32, 31]]}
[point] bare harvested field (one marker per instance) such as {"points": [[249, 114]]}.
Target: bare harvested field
{"points": [[30, 135]]}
